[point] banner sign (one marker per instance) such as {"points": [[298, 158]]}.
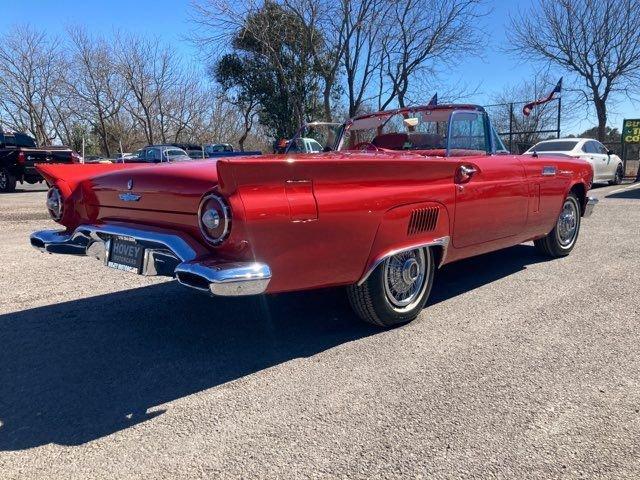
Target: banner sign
{"points": [[631, 131]]}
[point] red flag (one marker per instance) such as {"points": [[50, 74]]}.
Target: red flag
{"points": [[529, 106]]}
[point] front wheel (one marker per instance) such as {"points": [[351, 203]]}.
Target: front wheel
{"points": [[561, 240], [618, 177], [7, 181], [397, 290]]}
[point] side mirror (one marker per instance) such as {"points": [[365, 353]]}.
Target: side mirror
{"points": [[610, 152]]}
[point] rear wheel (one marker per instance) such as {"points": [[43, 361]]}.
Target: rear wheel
{"points": [[617, 179], [561, 240], [7, 181], [397, 290]]}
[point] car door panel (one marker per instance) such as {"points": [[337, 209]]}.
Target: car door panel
{"points": [[599, 160], [547, 185], [493, 204]]}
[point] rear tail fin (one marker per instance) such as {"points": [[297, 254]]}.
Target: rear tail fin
{"points": [[73, 174]]}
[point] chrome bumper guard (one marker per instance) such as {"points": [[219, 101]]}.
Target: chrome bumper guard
{"points": [[588, 208], [166, 254]]}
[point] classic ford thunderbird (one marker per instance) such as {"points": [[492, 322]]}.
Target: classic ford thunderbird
{"points": [[405, 192]]}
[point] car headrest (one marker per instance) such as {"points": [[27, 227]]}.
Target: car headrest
{"points": [[391, 141]]}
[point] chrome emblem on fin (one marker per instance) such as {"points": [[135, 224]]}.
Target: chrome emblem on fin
{"points": [[129, 197]]}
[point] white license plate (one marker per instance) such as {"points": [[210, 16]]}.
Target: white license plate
{"points": [[125, 254]]}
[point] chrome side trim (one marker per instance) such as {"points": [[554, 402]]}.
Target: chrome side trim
{"points": [[225, 279], [548, 171], [438, 242], [588, 208]]}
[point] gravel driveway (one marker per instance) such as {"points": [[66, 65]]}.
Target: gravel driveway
{"points": [[520, 367]]}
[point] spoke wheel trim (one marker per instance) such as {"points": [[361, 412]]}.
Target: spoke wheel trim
{"points": [[568, 222], [405, 278]]}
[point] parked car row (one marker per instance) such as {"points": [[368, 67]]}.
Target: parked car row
{"points": [[179, 152]]}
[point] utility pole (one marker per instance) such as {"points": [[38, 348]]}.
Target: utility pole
{"points": [[559, 110]]}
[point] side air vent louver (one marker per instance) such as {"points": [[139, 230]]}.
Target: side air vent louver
{"points": [[423, 220]]}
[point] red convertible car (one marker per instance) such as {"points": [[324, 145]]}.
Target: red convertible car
{"points": [[405, 192]]}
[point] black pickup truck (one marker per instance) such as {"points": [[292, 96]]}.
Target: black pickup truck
{"points": [[19, 154]]}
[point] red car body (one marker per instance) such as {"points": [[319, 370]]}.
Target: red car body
{"points": [[319, 220]]}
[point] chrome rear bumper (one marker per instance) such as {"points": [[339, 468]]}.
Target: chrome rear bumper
{"points": [[588, 208], [166, 254]]}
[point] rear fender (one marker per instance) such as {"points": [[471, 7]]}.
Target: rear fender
{"points": [[407, 227], [68, 178]]}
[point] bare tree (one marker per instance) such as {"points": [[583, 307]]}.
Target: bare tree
{"points": [[424, 34], [272, 31], [596, 40], [231, 117], [95, 86], [329, 27], [184, 107], [149, 71], [28, 78], [363, 53]]}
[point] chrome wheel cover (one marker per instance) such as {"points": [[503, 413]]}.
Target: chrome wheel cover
{"points": [[567, 226], [405, 278]]}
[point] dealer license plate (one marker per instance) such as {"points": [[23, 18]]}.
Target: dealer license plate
{"points": [[125, 254]]}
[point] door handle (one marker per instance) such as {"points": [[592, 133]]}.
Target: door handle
{"points": [[468, 170], [465, 173]]}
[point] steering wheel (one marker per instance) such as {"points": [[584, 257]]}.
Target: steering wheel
{"points": [[366, 147]]}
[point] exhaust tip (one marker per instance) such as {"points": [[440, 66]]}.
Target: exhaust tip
{"points": [[194, 281]]}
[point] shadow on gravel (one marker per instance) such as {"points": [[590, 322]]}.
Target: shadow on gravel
{"points": [[80, 370], [631, 194], [460, 277], [77, 371]]}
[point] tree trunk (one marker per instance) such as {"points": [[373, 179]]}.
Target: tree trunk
{"points": [[103, 134], [601, 111], [327, 101]]}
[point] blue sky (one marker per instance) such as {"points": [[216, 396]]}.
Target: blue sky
{"points": [[169, 19]]}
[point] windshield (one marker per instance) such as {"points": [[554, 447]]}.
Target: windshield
{"points": [[220, 147], [560, 146], [423, 130], [176, 155]]}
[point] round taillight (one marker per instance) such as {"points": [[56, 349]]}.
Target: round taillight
{"points": [[55, 203], [214, 217]]}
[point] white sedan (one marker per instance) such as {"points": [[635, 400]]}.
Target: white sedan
{"points": [[607, 166]]}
